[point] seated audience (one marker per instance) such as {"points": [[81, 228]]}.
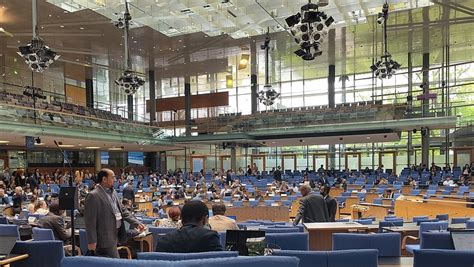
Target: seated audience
{"points": [[219, 222], [17, 199], [194, 236], [41, 207], [3, 197], [172, 221], [54, 221]]}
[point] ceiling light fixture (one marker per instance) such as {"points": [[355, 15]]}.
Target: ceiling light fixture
{"points": [[92, 147], [4, 142], [309, 28], [386, 67], [37, 54], [66, 146], [243, 62], [130, 81]]}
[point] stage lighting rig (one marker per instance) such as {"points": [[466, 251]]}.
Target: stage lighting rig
{"points": [[310, 29], [130, 81], [268, 95], [386, 67], [37, 54]]}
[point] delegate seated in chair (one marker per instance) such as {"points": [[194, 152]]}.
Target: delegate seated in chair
{"points": [[54, 221], [193, 236]]}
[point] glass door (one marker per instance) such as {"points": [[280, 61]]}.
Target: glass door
{"points": [[389, 161], [352, 161], [225, 163], [288, 162], [197, 164], [320, 160]]}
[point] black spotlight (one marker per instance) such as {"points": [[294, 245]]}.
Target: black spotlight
{"points": [[293, 20]]}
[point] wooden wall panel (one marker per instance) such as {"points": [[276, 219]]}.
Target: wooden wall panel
{"points": [[197, 101], [75, 95]]}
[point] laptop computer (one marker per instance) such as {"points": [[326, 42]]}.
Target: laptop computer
{"points": [[236, 240], [6, 245], [80, 223], [463, 239]]}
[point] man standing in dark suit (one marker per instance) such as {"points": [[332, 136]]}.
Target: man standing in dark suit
{"points": [[104, 217], [54, 221], [331, 203], [193, 236], [312, 207]]}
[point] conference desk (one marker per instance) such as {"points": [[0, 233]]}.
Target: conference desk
{"points": [[320, 234], [365, 210], [272, 213], [145, 206], [13, 258], [412, 227], [408, 207]]}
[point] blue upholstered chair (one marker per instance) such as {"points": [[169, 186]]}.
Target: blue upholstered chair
{"points": [[364, 221], [419, 221], [424, 227], [237, 203], [470, 224], [9, 230], [288, 241], [246, 225], [280, 229], [157, 231], [214, 262], [393, 219], [83, 241], [442, 217], [459, 220], [417, 218], [164, 256], [40, 253], [40, 234], [389, 224], [343, 258], [3, 220], [436, 240], [222, 237], [253, 203], [388, 244], [442, 258]]}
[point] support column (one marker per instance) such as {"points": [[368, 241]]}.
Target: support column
{"points": [[151, 82], [89, 87], [187, 105], [152, 160], [331, 89], [425, 132], [253, 76], [332, 68], [162, 162], [425, 145], [97, 162], [233, 158], [130, 106]]}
